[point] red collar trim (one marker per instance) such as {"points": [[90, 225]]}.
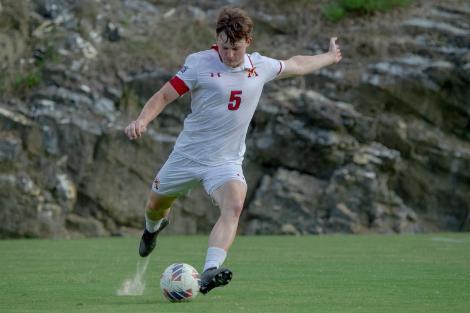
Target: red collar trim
{"points": [[250, 61], [216, 48], [251, 71]]}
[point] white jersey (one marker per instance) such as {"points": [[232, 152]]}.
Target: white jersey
{"points": [[223, 101]]}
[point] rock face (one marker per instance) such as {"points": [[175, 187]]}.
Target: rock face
{"points": [[384, 148], [345, 185]]}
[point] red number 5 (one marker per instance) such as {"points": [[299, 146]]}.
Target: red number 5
{"points": [[235, 100]]}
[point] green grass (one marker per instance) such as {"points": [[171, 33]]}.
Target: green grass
{"points": [[421, 273]]}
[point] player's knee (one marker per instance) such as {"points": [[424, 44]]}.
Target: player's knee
{"points": [[151, 206], [232, 210], [157, 203], [237, 208]]}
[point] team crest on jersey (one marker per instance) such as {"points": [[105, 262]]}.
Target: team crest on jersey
{"points": [[252, 72], [183, 69]]}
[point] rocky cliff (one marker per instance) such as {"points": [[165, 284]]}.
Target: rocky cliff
{"points": [[379, 143]]}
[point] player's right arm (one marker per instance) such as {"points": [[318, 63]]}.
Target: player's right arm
{"points": [[151, 110], [181, 83]]}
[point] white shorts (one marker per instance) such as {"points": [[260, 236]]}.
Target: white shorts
{"points": [[179, 174]]}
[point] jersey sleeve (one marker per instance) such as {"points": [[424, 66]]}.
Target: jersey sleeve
{"points": [[271, 67], [186, 78]]}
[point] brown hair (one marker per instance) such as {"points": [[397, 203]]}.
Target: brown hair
{"points": [[235, 23]]}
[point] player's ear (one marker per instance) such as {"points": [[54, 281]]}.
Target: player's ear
{"points": [[249, 40]]}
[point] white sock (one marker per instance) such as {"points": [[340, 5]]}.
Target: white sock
{"points": [[215, 257], [152, 226]]}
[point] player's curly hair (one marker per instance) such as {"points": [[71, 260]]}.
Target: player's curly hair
{"points": [[235, 23]]}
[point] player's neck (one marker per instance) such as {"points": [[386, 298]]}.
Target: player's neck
{"points": [[238, 65]]}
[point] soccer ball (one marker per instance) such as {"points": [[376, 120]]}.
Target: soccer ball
{"points": [[180, 282]]}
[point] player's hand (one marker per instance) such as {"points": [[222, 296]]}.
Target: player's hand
{"points": [[135, 129], [334, 50]]}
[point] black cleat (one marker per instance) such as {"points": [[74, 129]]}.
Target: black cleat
{"points": [[214, 277], [149, 240]]}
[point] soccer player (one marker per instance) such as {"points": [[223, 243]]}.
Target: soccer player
{"points": [[225, 84]]}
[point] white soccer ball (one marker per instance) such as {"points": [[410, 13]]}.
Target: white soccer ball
{"points": [[180, 282]]}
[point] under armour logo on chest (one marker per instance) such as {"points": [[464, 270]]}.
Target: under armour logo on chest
{"points": [[215, 75]]}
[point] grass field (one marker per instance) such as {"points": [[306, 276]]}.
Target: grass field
{"points": [[421, 273]]}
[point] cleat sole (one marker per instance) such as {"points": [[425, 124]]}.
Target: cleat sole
{"points": [[220, 279]]}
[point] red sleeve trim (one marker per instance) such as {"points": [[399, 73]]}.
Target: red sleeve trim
{"points": [[280, 68], [179, 85]]}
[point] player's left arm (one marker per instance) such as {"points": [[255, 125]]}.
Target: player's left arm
{"points": [[305, 64]]}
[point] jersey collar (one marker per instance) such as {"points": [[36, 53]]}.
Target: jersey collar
{"points": [[247, 64]]}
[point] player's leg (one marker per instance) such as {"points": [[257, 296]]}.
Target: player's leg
{"points": [[156, 219], [230, 198], [174, 179], [157, 208]]}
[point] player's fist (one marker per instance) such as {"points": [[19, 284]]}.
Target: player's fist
{"points": [[334, 50], [135, 129]]}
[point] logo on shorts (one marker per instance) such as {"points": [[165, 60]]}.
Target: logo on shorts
{"points": [[156, 183]]}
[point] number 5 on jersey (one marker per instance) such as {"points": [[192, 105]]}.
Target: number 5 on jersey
{"points": [[235, 100]]}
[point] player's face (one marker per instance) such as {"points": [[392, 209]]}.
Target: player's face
{"points": [[232, 55]]}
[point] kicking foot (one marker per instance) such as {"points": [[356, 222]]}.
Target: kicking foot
{"points": [[214, 277]]}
